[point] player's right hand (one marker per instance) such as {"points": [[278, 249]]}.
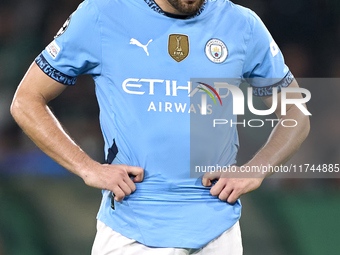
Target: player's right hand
{"points": [[114, 178]]}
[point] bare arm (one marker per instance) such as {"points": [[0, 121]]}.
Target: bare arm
{"points": [[30, 110], [282, 143]]}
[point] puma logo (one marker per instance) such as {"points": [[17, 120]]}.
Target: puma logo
{"points": [[145, 47]]}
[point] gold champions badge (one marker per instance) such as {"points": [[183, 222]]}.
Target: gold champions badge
{"points": [[178, 46]]}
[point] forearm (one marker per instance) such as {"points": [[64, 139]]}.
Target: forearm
{"points": [[283, 142], [29, 109], [36, 119]]}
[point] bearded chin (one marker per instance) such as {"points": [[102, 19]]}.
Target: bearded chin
{"points": [[185, 8]]}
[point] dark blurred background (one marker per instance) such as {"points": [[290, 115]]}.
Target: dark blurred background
{"points": [[46, 210]]}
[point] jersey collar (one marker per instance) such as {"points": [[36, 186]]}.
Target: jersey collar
{"points": [[154, 6]]}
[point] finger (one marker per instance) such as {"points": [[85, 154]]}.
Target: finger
{"points": [[208, 177], [233, 197], [125, 188], [138, 172], [119, 194], [206, 182], [225, 193], [218, 187], [130, 183]]}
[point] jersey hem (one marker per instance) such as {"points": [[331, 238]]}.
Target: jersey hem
{"points": [[166, 244]]}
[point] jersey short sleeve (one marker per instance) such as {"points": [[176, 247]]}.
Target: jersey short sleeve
{"points": [[264, 66], [76, 48]]}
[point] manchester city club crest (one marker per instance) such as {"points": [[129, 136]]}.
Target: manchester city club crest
{"points": [[216, 50]]}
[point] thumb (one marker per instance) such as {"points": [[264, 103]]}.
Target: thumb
{"points": [[208, 177], [137, 172]]}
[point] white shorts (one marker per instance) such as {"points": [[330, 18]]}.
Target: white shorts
{"points": [[109, 242]]}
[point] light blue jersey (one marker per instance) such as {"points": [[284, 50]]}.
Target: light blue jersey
{"points": [[142, 61]]}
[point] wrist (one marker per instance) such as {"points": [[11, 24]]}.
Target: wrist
{"points": [[85, 166], [256, 171]]}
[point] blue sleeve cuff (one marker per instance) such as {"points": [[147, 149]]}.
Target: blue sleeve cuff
{"points": [[268, 90], [54, 73]]}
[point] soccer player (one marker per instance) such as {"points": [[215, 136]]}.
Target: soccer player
{"points": [[142, 55]]}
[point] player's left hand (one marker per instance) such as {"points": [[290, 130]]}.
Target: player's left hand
{"points": [[230, 189]]}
